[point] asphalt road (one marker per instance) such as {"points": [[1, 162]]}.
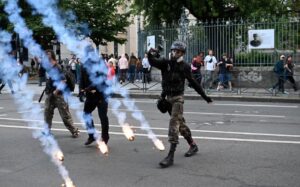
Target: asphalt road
{"points": [[242, 144]]}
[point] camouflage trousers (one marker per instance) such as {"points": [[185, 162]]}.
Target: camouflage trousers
{"points": [[177, 122], [57, 101]]}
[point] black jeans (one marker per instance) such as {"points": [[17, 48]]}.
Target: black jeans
{"points": [[89, 106], [280, 84], [292, 80]]}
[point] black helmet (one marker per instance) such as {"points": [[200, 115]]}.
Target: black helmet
{"points": [[178, 45]]}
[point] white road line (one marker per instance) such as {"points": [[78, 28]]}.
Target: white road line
{"points": [[27, 111], [2, 115], [129, 110], [221, 114], [165, 136], [166, 129], [254, 105], [1, 107], [243, 115]]}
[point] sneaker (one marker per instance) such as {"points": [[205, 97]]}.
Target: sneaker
{"points": [[89, 141], [75, 134], [193, 150]]}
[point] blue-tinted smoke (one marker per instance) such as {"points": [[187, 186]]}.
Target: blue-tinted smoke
{"points": [[9, 69], [12, 9], [90, 59]]}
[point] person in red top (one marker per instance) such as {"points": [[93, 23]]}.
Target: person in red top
{"points": [[197, 62], [111, 71]]}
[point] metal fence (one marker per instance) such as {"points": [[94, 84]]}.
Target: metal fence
{"points": [[230, 36], [242, 84]]}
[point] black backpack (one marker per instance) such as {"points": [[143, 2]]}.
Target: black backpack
{"points": [[70, 80]]}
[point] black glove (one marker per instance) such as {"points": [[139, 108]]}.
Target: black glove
{"points": [[153, 53]]}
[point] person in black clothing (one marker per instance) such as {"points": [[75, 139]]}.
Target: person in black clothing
{"points": [[174, 72], [280, 67], [290, 72], [41, 72], [94, 98]]}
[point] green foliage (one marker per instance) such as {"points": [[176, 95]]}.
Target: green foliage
{"points": [[168, 11], [101, 17]]}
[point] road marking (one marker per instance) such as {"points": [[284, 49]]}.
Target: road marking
{"points": [[219, 114], [242, 115], [129, 110], [28, 111], [254, 105], [3, 115], [166, 129], [165, 136], [1, 107]]}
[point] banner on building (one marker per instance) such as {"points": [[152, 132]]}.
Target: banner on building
{"points": [[150, 42], [261, 39]]}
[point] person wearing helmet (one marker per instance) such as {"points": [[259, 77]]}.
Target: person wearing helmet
{"points": [[174, 72]]}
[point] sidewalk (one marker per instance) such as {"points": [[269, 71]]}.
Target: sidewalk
{"points": [[153, 91]]}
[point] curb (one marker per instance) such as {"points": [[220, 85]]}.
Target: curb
{"points": [[219, 98]]}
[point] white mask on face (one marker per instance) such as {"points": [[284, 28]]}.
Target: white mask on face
{"points": [[173, 54]]}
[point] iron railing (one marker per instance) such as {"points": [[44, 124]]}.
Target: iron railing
{"points": [[230, 36]]}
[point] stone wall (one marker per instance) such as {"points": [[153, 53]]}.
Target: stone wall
{"points": [[248, 77]]}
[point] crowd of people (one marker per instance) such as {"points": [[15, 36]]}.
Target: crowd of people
{"points": [[215, 72]]}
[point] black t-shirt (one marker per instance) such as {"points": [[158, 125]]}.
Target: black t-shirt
{"points": [[222, 67]]}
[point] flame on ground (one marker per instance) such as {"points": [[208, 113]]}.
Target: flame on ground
{"points": [[128, 132], [59, 155], [68, 183], [159, 145], [103, 147]]}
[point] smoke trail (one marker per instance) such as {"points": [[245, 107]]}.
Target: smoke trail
{"points": [[9, 69], [51, 17], [11, 7]]}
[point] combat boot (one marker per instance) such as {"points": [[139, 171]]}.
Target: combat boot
{"points": [[169, 160], [192, 150], [90, 140]]}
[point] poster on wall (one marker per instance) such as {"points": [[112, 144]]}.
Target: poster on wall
{"points": [[261, 39], [150, 42]]}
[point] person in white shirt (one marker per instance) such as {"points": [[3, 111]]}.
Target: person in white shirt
{"points": [[72, 66], [146, 69], [123, 65], [210, 63]]}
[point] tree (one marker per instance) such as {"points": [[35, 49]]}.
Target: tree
{"points": [[99, 17], [168, 11], [102, 18]]}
